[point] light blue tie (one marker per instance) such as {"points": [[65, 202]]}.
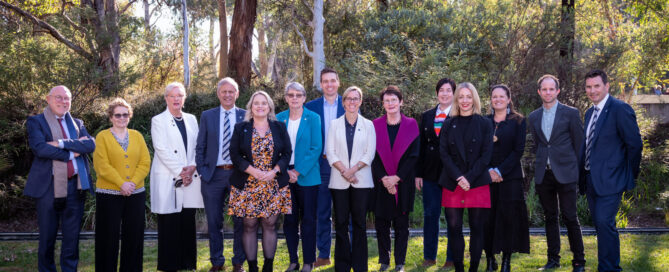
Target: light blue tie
{"points": [[226, 137]]}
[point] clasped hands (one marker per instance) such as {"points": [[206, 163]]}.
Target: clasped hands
{"points": [[186, 174], [390, 182], [261, 175], [463, 183], [293, 175], [496, 178]]}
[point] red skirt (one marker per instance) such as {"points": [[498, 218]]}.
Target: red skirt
{"points": [[478, 197]]}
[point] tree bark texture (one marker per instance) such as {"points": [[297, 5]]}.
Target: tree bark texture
{"points": [[241, 35], [184, 13], [567, 30], [223, 26]]}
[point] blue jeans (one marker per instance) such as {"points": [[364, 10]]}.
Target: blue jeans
{"points": [[432, 213], [214, 194], [304, 217], [48, 220], [324, 226]]}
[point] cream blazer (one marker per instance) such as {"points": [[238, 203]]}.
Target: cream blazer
{"points": [[364, 149], [169, 159]]}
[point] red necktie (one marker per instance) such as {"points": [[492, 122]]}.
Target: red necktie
{"points": [[70, 165]]}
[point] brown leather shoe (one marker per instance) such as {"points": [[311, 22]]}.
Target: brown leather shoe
{"points": [[321, 262], [428, 263], [238, 268], [216, 268], [447, 264]]}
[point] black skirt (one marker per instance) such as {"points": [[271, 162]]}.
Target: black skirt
{"points": [[177, 246], [508, 226]]}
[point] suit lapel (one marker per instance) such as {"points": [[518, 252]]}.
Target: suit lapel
{"points": [[340, 106], [558, 115], [537, 126], [429, 123], [217, 128], [342, 135], [300, 129], [600, 120]]}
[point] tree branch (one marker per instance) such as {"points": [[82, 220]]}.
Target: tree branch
{"points": [[310, 7], [52, 31], [304, 41], [124, 9]]}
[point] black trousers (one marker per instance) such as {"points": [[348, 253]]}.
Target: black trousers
{"points": [[119, 216], [350, 203], [177, 246], [477, 224], [401, 226], [552, 195]]}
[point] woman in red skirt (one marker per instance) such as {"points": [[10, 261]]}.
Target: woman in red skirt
{"points": [[466, 148]]}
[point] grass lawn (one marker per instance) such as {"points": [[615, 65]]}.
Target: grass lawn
{"points": [[639, 253]]}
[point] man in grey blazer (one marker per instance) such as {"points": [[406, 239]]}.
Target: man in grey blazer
{"points": [[558, 134]]}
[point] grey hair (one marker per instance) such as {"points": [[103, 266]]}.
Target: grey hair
{"points": [[227, 80], [60, 86], [271, 115], [295, 86], [173, 85]]}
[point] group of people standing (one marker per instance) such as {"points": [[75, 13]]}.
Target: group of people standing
{"points": [[323, 159]]}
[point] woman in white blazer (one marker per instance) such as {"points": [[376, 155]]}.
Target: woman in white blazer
{"points": [[175, 183], [350, 149]]}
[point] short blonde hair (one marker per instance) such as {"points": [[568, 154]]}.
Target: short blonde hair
{"points": [[352, 89], [455, 109], [173, 85], [249, 113], [118, 102]]}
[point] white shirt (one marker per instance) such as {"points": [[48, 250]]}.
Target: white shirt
{"points": [[233, 121], [293, 126], [329, 114], [600, 106], [447, 111], [61, 145]]}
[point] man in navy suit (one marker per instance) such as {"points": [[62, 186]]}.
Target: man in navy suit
{"points": [[558, 135], [212, 157], [328, 107], [58, 178], [610, 158]]}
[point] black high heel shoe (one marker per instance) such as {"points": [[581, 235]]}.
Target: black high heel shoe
{"points": [[293, 267]]}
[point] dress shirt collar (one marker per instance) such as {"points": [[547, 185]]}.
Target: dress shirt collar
{"points": [[447, 111], [601, 104]]}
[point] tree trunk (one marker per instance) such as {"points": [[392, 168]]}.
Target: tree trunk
{"points": [[109, 44], [262, 47], [318, 57], [567, 30], [243, 20], [212, 50], [147, 15], [223, 26], [272, 58], [185, 45]]}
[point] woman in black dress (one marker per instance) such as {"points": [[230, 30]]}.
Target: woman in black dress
{"points": [[508, 227]]}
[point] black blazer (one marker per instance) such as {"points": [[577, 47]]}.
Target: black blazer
{"points": [[241, 154], [562, 148], [429, 161], [509, 148], [469, 158]]}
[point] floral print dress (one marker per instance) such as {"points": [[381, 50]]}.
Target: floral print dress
{"points": [[259, 198]]}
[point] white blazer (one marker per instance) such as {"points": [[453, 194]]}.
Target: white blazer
{"points": [[169, 158], [364, 149]]}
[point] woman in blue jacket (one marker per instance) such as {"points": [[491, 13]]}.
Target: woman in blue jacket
{"points": [[304, 129]]}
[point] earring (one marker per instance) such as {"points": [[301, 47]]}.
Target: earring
{"points": [[508, 110]]}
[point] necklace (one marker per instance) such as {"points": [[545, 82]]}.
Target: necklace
{"points": [[393, 124], [179, 119]]}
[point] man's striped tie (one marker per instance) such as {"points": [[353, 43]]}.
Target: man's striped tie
{"points": [[226, 137], [591, 132]]}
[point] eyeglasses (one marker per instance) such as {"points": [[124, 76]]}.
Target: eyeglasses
{"points": [[391, 101], [61, 98], [352, 99], [298, 95], [121, 115], [175, 97]]}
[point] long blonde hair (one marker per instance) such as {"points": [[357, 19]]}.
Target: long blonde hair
{"points": [[249, 113], [455, 109]]}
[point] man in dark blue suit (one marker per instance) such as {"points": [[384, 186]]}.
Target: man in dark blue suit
{"points": [[610, 158], [58, 178], [212, 157], [328, 107]]}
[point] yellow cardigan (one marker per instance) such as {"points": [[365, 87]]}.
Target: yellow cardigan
{"points": [[115, 166]]}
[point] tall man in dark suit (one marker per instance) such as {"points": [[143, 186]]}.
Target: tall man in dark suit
{"points": [[58, 178], [328, 107], [610, 159], [212, 157], [558, 135]]}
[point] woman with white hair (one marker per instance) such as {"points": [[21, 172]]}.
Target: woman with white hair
{"points": [[260, 152], [304, 127], [175, 183]]}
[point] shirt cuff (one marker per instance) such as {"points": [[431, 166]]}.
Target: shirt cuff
{"points": [[497, 170], [71, 155], [61, 145]]}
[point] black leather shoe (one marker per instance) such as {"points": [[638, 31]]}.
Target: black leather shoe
{"points": [[293, 267], [551, 264], [579, 268]]}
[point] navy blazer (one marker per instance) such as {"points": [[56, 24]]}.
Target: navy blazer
{"points": [[468, 158], [242, 156], [615, 154], [429, 161], [509, 148], [208, 149], [562, 148], [316, 106], [40, 177]]}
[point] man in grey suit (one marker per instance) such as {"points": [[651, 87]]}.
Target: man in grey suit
{"points": [[558, 134]]}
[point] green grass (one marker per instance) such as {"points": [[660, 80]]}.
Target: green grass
{"points": [[639, 253]]}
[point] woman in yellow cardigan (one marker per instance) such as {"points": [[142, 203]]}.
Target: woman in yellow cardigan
{"points": [[121, 161]]}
